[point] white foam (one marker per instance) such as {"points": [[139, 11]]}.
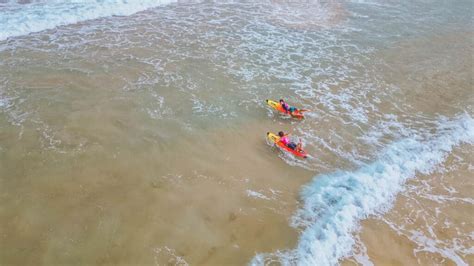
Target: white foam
{"points": [[360, 253], [429, 243], [4, 103], [255, 194], [166, 254], [333, 204], [22, 19]]}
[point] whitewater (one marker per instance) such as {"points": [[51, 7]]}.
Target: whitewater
{"points": [[19, 19], [334, 204], [133, 132]]}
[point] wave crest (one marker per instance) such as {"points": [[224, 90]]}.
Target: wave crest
{"points": [[334, 204]]}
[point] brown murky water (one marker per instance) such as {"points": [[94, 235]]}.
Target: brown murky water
{"points": [[141, 139]]}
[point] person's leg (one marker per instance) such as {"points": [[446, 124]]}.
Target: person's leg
{"points": [[292, 145], [299, 147]]}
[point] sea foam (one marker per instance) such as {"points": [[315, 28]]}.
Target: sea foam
{"points": [[21, 19], [334, 204]]}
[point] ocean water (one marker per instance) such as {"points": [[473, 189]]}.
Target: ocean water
{"points": [[133, 132]]}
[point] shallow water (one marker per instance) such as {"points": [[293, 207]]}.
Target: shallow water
{"points": [[140, 138]]}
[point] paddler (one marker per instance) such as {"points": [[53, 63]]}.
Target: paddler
{"points": [[287, 108], [290, 144]]}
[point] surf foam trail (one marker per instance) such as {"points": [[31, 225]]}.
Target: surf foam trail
{"points": [[334, 204], [21, 19]]}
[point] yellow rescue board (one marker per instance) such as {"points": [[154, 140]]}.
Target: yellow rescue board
{"points": [[277, 106], [276, 139]]}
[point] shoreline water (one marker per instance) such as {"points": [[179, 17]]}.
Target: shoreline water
{"points": [[424, 227], [148, 146]]}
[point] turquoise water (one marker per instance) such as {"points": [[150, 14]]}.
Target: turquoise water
{"points": [[178, 90]]}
